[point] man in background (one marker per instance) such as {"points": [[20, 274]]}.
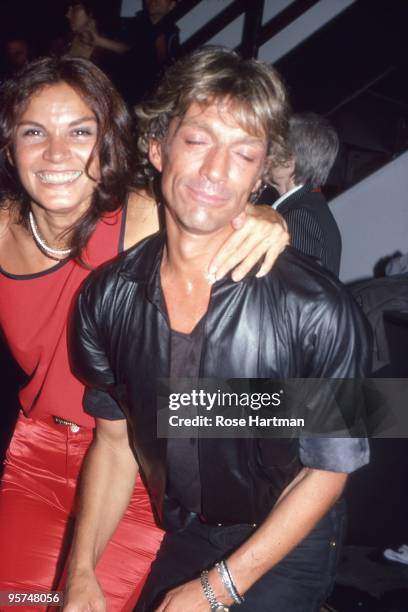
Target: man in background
{"points": [[313, 144]]}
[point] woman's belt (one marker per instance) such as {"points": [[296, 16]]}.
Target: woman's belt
{"points": [[73, 426]]}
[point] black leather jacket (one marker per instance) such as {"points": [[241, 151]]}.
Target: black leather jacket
{"points": [[298, 321]]}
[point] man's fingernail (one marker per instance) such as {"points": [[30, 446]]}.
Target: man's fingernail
{"points": [[212, 270]]}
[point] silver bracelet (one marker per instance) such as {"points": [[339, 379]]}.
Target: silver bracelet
{"points": [[228, 582], [209, 594]]}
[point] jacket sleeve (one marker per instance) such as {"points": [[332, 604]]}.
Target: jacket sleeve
{"points": [[89, 360], [340, 337], [341, 357]]}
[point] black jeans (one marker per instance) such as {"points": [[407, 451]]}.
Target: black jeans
{"points": [[299, 583]]}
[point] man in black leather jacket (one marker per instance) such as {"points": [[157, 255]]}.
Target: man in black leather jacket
{"points": [[265, 511]]}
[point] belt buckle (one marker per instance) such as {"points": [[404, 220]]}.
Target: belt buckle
{"points": [[73, 426]]}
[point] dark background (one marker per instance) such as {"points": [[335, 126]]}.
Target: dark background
{"points": [[353, 70]]}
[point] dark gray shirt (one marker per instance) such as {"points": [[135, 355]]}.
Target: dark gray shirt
{"points": [[182, 453]]}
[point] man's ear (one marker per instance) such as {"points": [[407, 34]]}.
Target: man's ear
{"points": [[155, 154]]}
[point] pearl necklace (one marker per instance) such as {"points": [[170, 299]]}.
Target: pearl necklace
{"points": [[60, 253]]}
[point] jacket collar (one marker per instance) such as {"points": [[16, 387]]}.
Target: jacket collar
{"points": [[142, 261], [286, 196], [295, 197], [141, 265]]}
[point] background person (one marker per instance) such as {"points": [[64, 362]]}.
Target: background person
{"points": [[88, 42], [313, 144], [86, 37], [68, 203]]}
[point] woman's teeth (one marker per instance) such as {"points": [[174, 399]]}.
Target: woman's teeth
{"points": [[58, 178]]}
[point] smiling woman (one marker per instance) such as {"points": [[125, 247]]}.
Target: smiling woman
{"points": [[54, 140], [53, 122], [65, 153]]}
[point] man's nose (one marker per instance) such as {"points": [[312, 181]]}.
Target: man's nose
{"points": [[57, 149], [216, 165]]}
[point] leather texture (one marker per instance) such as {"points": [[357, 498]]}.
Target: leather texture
{"points": [[297, 321]]}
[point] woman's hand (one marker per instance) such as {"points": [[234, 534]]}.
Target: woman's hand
{"points": [[260, 236]]}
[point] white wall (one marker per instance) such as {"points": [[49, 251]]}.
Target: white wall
{"points": [[373, 219], [301, 28]]}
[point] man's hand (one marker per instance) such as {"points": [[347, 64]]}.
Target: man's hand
{"points": [[189, 596], [83, 593], [260, 234]]}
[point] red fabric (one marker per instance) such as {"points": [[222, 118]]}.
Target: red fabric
{"points": [[37, 508], [33, 315], [44, 459]]}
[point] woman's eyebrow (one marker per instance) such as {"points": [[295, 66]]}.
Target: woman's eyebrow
{"points": [[83, 119]]}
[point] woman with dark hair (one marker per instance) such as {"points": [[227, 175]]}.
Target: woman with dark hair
{"points": [[87, 41], [69, 202]]}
